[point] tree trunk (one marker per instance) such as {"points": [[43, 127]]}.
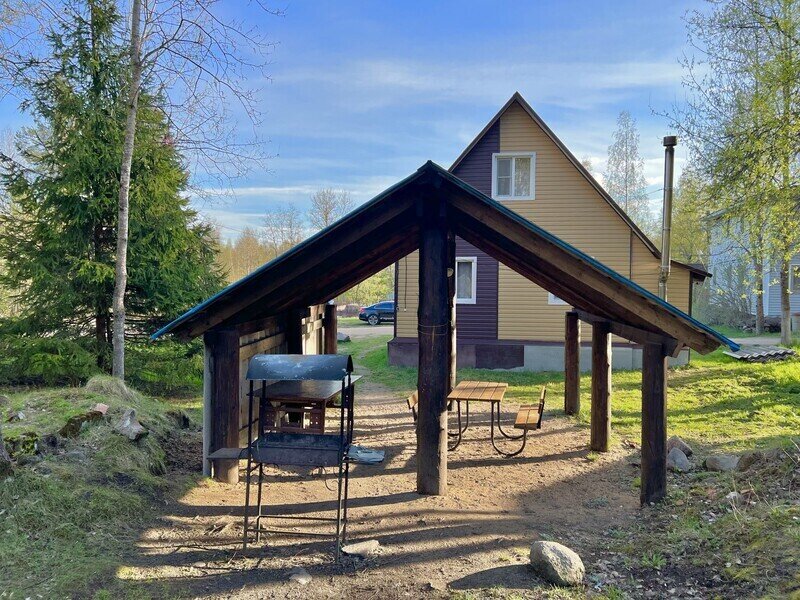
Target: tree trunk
{"points": [[759, 271], [121, 270], [786, 314]]}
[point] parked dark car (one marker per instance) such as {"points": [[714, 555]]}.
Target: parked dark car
{"points": [[377, 313]]}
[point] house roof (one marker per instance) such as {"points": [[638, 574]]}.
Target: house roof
{"points": [[697, 271], [386, 228]]}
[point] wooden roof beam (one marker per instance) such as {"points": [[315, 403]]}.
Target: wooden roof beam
{"points": [[634, 334]]}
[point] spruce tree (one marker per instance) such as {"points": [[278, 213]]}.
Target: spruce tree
{"points": [[58, 232]]}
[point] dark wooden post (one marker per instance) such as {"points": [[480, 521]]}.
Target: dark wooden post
{"points": [[572, 363], [451, 281], [654, 423], [294, 331], [223, 347], [601, 386], [434, 314], [329, 322]]}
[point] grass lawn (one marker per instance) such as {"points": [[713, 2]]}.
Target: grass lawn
{"points": [[72, 512], [351, 322], [733, 332], [714, 401]]}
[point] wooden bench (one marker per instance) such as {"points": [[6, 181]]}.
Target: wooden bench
{"points": [[412, 402], [530, 416]]}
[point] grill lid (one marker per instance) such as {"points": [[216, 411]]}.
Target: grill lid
{"points": [[297, 367]]}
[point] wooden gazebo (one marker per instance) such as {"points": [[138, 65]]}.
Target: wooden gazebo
{"points": [[277, 308]]}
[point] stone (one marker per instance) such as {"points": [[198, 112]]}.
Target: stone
{"points": [[366, 548], [15, 416], [342, 337], [74, 425], [748, 459], [130, 427], [556, 563], [676, 442], [100, 407], [721, 462], [299, 575], [28, 460], [735, 498], [677, 461]]}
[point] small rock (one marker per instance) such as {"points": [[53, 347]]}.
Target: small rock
{"points": [[130, 427], [299, 575], [748, 459], [15, 416], [557, 563], [676, 442], [28, 459], [100, 407], [677, 461], [437, 586], [366, 548], [721, 462], [342, 337], [735, 498]]}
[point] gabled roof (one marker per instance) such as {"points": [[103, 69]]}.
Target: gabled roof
{"points": [[518, 99], [387, 228]]}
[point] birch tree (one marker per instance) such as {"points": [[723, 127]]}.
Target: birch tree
{"points": [[624, 176], [328, 206]]}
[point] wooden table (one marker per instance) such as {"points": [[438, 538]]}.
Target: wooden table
{"points": [[299, 406], [479, 391]]}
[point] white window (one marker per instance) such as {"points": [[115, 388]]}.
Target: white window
{"points": [[794, 279], [514, 176], [553, 299], [466, 279]]}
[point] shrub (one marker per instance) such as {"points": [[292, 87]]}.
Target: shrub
{"points": [[166, 368], [44, 361]]}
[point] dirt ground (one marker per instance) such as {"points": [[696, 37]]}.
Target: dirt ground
{"points": [[476, 537]]}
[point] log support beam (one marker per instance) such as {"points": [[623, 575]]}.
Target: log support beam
{"points": [[572, 363], [435, 339], [331, 342], [222, 399], [601, 387], [654, 423]]}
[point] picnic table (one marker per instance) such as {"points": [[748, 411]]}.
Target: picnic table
{"points": [[298, 406], [480, 391]]}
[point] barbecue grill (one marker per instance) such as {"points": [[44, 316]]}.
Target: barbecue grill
{"points": [[292, 394]]}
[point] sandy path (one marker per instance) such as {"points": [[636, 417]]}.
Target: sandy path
{"points": [[477, 536]]}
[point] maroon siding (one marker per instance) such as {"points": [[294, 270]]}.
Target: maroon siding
{"points": [[479, 321]]}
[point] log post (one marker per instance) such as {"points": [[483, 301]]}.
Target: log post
{"points": [[329, 322], [654, 423], [294, 331], [451, 290], [601, 387], [572, 363], [223, 367], [434, 316]]}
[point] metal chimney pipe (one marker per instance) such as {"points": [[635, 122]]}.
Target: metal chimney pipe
{"points": [[669, 143]]}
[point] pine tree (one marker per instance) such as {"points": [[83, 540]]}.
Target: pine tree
{"points": [[58, 231], [624, 176]]}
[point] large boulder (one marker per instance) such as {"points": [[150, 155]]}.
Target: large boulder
{"points": [[557, 563], [677, 461], [722, 462], [676, 442]]}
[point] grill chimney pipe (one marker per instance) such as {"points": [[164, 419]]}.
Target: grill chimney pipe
{"points": [[669, 143]]}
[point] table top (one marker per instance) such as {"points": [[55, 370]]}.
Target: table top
{"points": [[478, 391], [304, 390]]}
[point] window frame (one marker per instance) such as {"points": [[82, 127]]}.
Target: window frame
{"points": [[793, 281], [554, 300], [473, 260], [514, 155]]}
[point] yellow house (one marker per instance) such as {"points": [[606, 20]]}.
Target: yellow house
{"points": [[503, 320]]}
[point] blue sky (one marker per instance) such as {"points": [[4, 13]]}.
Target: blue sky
{"points": [[362, 93]]}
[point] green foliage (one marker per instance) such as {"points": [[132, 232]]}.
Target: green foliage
{"points": [[166, 368], [58, 232], [44, 361]]}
